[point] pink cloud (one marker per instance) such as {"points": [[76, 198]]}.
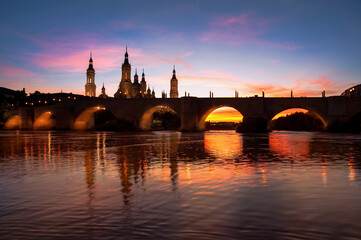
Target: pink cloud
{"points": [[242, 29], [71, 54], [219, 74], [302, 86], [235, 30], [105, 58], [159, 59], [11, 71], [226, 83]]}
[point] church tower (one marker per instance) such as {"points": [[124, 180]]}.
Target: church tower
{"points": [[174, 86], [125, 85], [90, 87], [103, 94], [143, 85], [126, 68]]}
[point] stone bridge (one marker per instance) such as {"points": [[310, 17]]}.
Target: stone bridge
{"points": [[193, 111]]}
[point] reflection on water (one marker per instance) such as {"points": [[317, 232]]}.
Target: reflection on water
{"points": [[211, 185]]}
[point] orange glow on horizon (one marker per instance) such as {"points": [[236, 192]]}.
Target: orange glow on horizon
{"points": [[289, 112], [225, 114]]}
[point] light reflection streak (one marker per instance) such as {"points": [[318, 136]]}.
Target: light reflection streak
{"points": [[293, 146], [264, 178], [236, 170], [223, 145], [49, 144], [26, 142], [352, 173], [188, 172], [104, 148], [98, 148], [324, 174], [211, 169]]}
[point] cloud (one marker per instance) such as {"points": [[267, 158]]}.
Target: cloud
{"points": [[310, 86], [158, 59], [243, 29], [71, 54], [128, 25], [15, 72], [234, 30]]}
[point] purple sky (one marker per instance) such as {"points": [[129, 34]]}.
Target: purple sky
{"points": [[217, 45]]}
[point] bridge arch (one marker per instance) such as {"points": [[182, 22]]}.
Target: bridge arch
{"points": [[82, 121], [202, 119], [145, 122], [292, 110], [13, 122], [45, 121]]}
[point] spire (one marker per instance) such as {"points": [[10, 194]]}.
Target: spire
{"points": [[126, 61], [143, 73], [103, 92], [91, 62], [174, 77], [136, 77]]}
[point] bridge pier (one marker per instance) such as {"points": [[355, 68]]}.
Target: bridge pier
{"points": [[253, 125], [336, 118], [189, 114], [27, 117], [64, 118]]}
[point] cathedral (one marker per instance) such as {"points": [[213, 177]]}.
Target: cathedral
{"points": [[127, 88]]}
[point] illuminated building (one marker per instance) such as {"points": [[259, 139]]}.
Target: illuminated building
{"points": [[354, 91], [127, 89], [103, 94], [90, 87], [174, 86]]}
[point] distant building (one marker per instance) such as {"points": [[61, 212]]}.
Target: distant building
{"points": [[354, 91], [103, 94], [127, 89], [174, 86], [90, 87]]}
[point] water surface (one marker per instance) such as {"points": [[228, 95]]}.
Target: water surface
{"points": [[171, 185]]}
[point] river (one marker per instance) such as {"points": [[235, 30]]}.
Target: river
{"points": [[172, 185]]}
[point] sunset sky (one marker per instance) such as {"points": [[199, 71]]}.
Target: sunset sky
{"points": [[218, 45]]}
